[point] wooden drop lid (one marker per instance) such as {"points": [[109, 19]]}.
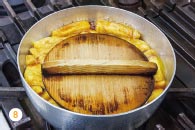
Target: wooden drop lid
{"points": [[98, 74]]}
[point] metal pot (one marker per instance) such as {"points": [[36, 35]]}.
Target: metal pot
{"points": [[65, 119]]}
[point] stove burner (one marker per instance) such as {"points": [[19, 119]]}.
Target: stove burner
{"points": [[130, 5], [19, 6], [128, 2], [87, 2]]}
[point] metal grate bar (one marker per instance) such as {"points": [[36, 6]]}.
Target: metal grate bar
{"points": [[159, 127], [14, 16], [33, 9], [180, 23], [8, 47], [182, 90], [59, 4], [179, 42], [187, 12], [55, 6], [12, 92], [185, 121], [12, 53], [7, 105]]}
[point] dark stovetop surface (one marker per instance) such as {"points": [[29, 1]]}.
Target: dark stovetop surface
{"points": [[175, 18]]}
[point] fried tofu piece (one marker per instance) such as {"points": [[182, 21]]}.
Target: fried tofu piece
{"points": [[43, 46], [116, 29], [45, 95], [33, 75], [34, 52], [159, 77], [88, 31], [140, 44], [53, 102], [160, 81], [150, 53], [30, 60], [160, 84], [155, 94], [72, 29], [37, 89], [46, 43]]}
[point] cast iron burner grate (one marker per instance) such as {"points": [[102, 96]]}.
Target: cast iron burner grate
{"points": [[177, 22], [175, 19], [15, 97], [130, 5], [19, 5], [175, 113]]}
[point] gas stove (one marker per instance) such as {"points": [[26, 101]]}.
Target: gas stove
{"points": [[175, 18]]}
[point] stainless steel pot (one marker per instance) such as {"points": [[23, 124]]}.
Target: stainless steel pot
{"points": [[61, 118]]}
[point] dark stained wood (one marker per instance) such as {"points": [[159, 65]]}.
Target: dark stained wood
{"points": [[97, 94]]}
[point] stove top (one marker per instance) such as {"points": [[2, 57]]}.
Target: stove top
{"points": [[175, 18], [19, 6]]}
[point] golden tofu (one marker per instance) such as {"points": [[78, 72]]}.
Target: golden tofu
{"points": [[30, 60], [155, 94], [150, 53], [72, 29], [159, 76], [33, 75], [43, 46], [152, 56], [88, 31], [37, 89], [45, 95], [53, 102], [46, 43], [136, 34], [141, 45], [34, 52], [116, 29], [160, 84]]}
